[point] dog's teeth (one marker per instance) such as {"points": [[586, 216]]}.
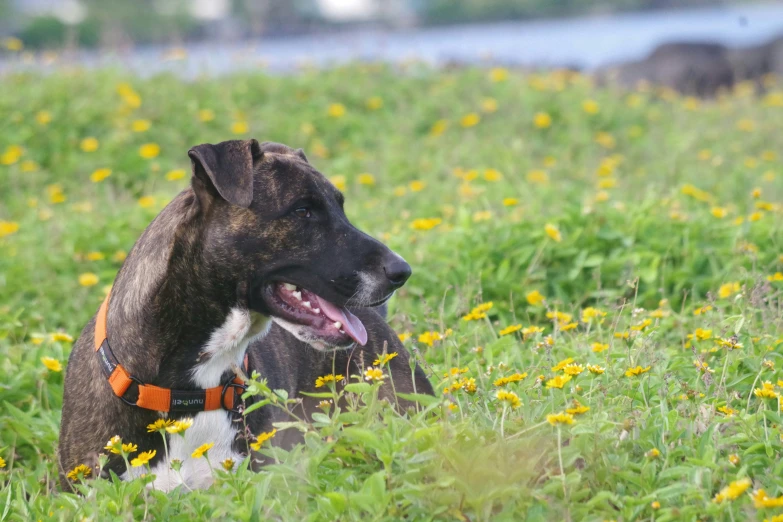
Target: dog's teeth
{"points": [[317, 310], [342, 332], [307, 304], [338, 324], [298, 295], [289, 287]]}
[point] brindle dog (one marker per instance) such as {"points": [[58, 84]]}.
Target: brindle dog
{"points": [[259, 238]]}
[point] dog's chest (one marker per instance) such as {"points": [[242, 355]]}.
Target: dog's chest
{"points": [[224, 350]]}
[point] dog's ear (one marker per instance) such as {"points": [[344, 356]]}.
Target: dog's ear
{"points": [[225, 170]]}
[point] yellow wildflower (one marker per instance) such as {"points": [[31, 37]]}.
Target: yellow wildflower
{"points": [[510, 202], [498, 74], [206, 115], [573, 369], [227, 464], [439, 127], [489, 105], [777, 276], [80, 471], [590, 313], [509, 397], [141, 125], [374, 103], [8, 227], [201, 450], [510, 329], [530, 330], [762, 500], [538, 176], [88, 279], [146, 201], [149, 150], [635, 372], [558, 382], [180, 426], [159, 425], [733, 490], [373, 374], [590, 106], [727, 411], [143, 458], [560, 418], [89, 144], [734, 459], [336, 110], [325, 379], [767, 391], [404, 336], [383, 359], [425, 223], [174, 175], [728, 289], [719, 212], [492, 175], [52, 364], [515, 377], [702, 310], [577, 409], [366, 179], [595, 369], [534, 298], [562, 364], [429, 338], [542, 120], [263, 437], [553, 232], [469, 120]]}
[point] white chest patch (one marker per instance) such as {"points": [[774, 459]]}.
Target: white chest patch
{"points": [[225, 348]]}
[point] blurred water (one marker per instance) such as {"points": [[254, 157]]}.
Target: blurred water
{"points": [[582, 42]]}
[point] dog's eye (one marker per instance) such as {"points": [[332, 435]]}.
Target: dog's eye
{"points": [[302, 212]]}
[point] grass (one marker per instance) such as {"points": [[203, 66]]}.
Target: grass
{"points": [[560, 204]]}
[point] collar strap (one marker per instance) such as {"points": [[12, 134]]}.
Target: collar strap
{"points": [[227, 396]]}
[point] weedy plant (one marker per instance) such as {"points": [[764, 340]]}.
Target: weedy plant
{"points": [[596, 291]]}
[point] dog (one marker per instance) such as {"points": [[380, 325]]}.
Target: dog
{"points": [[257, 251]]}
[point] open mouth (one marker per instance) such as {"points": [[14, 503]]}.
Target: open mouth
{"points": [[322, 320]]}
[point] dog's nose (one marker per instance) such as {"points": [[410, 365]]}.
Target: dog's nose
{"points": [[397, 272]]}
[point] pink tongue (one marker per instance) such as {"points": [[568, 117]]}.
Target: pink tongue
{"points": [[351, 324]]}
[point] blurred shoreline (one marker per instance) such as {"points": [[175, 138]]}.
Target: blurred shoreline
{"points": [[582, 42]]}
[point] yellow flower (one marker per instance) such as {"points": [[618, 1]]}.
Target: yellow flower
{"points": [[595, 369], [61, 337], [159, 425], [143, 458], [558, 382], [510, 202], [599, 347], [761, 499], [700, 334], [404, 336], [756, 216], [52, 364], [590, 106], [149, 150], [13, 44], [577, 409], [383, 359], [483, 215], [635, 372], [43, 117], [373, 374], [560, 418], [366, 179], [89, 144], [174, 175], [733, 490], [114, 445], [534, 298], [767, 391], [492, 175], [470, 120], [542, 120], [336, 110], [180, 426], [374, 103], [2, 462], [227, 464], [510, 329], [719, 212], [498, 74], [538, 176], [99, 175], [777, 276], [425, 223], [590, 313], [728, 290], [263, 437], [560, 317], [605, 140], [553, 232], [746, 125], [531, 330], [562, 364], [339, 182], [655, 504], [11, 155], [206, 115], [325, 379], [146, 201], [429, 338], [239, 127], [55, 192], [727, 411], [202, 450], [489, 105], [702, 310], [416, 186], [515, 377], [439, 127], [140, 125], [573, 369], [8, 227], [509, 397], [29, 166], [80, 471], [88, 279], [734, 459]]}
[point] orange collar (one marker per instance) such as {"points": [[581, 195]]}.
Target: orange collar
{"points": [[154, 397]]}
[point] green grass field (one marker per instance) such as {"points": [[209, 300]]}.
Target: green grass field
{"points": [[627, 249]]}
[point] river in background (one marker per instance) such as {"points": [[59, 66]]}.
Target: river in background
{"points": [[578, 42]]}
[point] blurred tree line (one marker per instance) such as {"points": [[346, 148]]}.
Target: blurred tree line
{"points": [[117, 23]]}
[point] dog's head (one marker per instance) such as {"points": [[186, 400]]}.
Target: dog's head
{"points": [[278, 224]]}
